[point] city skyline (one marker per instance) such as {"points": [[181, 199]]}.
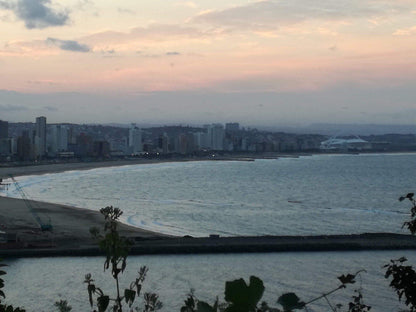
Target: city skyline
{"points": [[258, 62]]}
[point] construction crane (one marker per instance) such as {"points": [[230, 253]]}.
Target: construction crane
{"points": [[31, 205]]}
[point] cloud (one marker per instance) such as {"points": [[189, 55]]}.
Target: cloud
{"points": [[36, 13], [275, 13], [173, 53], [69, 45], [50, 108], [405, 31], [5, 5], [12, 108], [143, 35]]}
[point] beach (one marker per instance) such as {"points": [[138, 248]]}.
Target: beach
{"points": [[70, 235], [70, 225], [5, 172]]}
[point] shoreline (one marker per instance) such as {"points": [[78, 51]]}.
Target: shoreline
{"points": [[20, 227], [71, 237], [40, 169]]}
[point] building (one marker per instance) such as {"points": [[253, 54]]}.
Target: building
{"points": [[135, 140], [58, 139], [216, 135], [24, 147], [348, 144], [101, 149], [4, 129], [40, 137], [232, 127], [163, 143]]}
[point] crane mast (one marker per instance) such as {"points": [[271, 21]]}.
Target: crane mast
{"points": [[31, 206]]}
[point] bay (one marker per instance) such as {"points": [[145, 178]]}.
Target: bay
{"points": [[322, 194]]}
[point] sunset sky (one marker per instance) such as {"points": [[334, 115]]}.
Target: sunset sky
{"points": [[256, 62]]}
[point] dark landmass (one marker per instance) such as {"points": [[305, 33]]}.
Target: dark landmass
{"points": [[244, 244]]}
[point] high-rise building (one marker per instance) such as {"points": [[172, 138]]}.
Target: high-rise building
{"points": [[59, 139], [216, 135], [24, 150], [5, 141], [232, 127], [4, 129], [40, 136], [135, 139]]}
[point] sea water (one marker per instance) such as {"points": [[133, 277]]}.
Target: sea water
{"points": [[324, 194], [37, 283]]}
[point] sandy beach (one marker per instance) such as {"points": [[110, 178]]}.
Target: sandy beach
{"points": [[70, 225], [71, 237]]}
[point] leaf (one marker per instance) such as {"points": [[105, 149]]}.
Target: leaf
{"points": [[410, 196], [290, 301], [129, 296], [347, 279], [2, 273], [242, 296], [102, 303]]}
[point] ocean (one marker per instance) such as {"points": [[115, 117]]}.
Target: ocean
{"points": [[321, 194]]}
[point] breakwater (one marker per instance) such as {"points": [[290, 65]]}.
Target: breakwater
{"points": [[243, 244]]}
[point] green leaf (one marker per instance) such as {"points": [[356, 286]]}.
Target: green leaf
{"points": [[347, 279], [102, 303], [129, 296], [290, 301], [242, 296], [204, 307], [2, 272]]}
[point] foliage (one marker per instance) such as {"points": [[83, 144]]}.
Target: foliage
{"points": [[116, 249], [241, 297], [404, 276], [63, 306], [357, 304], [403, 281], [411, 225], [5, 307]]}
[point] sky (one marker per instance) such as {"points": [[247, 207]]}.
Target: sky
{"points": [[264, 62]]}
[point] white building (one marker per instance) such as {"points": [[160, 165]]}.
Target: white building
{"points": [[59, 139], [335, 143], [216, 134], [135, 140]]}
